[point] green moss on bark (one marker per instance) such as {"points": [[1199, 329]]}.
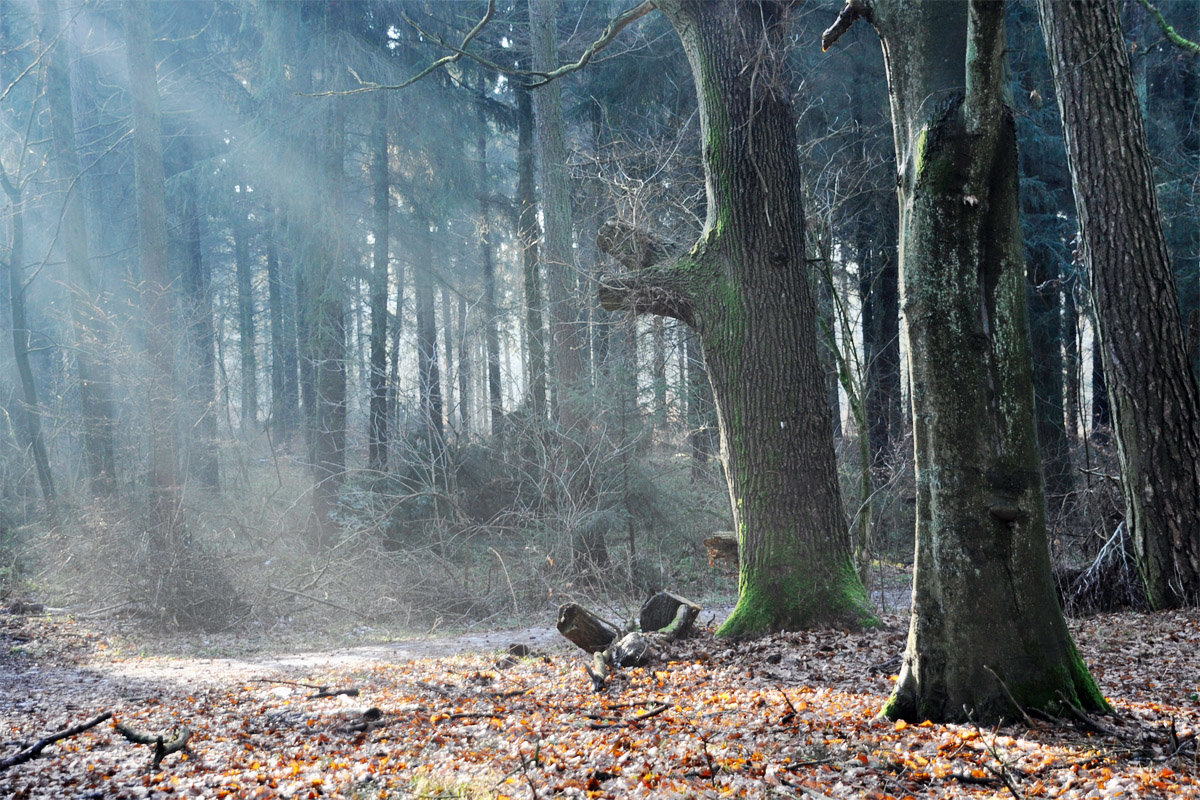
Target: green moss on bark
{"points": [[766, 604]]}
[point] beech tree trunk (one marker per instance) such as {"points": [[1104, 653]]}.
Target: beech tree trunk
{"points": [[986, 629], [745, 289], [1152, 389]]}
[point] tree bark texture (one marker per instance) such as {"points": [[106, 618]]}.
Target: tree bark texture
{"points": [[745, 290], [1154, 398], [91, 335], [986, 629], [155, 283]]}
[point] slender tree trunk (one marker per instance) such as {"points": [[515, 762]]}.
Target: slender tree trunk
{"points": [[1046, 334], [658, 371], [202, 462], [1155, 401], [1072, 372], [377, 425], [567, 346], [155, 284], [428, 372], [91, 335], [465, 370], [490, 309], [986, 629], [30, 418], [285, 391], [527, 234], [746, 291], [246, 312]]}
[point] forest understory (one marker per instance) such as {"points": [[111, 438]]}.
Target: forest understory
{"points": [[513, 714]]}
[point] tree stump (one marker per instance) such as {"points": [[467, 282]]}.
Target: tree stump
{"points": [[668, 613], [585, 629]]}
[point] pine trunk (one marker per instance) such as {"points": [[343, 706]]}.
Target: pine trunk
{"points": [[1153, 394]]}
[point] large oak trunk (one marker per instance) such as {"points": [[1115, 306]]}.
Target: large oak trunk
{"points": [[745, 290]]}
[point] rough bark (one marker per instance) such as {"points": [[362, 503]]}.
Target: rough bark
{"points": [[90, 334], [986, 629], [1153, 394], [745, 290]]}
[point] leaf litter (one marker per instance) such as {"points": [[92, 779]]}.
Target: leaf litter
{"points": [[787, 715]]}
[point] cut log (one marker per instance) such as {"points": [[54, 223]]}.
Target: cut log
{"points": [[669, 614], [723, 547], [584, 628]]}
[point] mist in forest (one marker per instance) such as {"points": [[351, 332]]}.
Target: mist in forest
{"points": [[289, 345]]}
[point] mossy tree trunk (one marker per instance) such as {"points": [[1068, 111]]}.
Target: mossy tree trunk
{"points": [[1154, 397], [745, 289], [986, 628]]}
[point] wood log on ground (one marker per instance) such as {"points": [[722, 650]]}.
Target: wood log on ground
{"points": [[669, 614], [585, 629]]}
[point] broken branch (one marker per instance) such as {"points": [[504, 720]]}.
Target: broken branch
{"points": [[35, 749], [162, 746]]}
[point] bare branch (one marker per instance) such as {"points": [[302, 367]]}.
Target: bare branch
{"points": [[455, 55], [653, 284], [848, 16], [614, 27]]}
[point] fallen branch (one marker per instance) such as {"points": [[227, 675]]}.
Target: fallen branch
{"points": [[1086, 721], [321, 691], [34, 750], [653, 711], [162, 747]]}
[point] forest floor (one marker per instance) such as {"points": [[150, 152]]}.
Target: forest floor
{"points": [[789, 715]]}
